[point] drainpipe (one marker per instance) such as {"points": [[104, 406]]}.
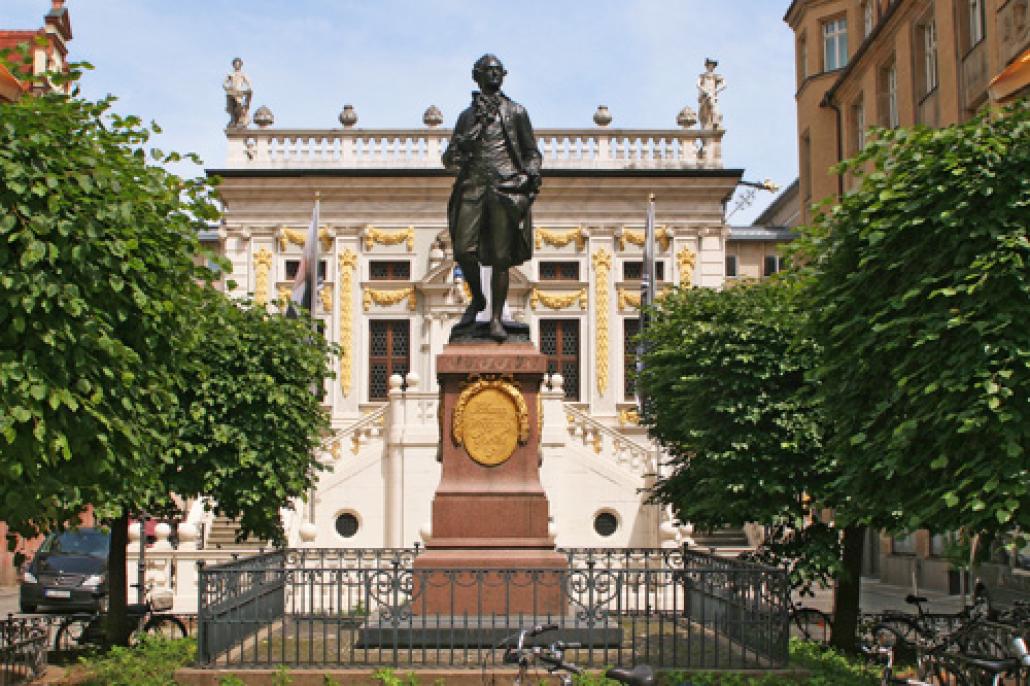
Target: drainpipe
{"points": [[828, 102]]}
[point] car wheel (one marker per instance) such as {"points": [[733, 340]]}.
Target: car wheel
{"points": [[27, 608]]}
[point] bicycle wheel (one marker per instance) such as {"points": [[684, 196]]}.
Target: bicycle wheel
{"points": [[70, 633], [811, 624], [906, 633], [165, 626]]}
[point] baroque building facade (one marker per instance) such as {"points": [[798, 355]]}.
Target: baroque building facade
{"points": [[389, 294]]}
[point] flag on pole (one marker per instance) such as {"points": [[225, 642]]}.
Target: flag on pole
{"points": [[647, 293], [305, 283]]}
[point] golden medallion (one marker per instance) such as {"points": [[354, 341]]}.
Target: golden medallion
{"points": [[490, 421]]}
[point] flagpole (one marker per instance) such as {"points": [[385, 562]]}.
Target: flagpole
{"points": [[312, 276]]}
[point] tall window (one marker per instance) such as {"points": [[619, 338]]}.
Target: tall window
{"points": [[634, 271], [928, 46], [389, 352], [976, 21], [559, 341], [889, 95], [771, 265], [731, 266], [630, 328], [382, 270], [559, 271], [835, 44], [858, 124], [868, 17]]}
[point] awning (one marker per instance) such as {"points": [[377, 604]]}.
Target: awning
{"points": [[1012, 81]]}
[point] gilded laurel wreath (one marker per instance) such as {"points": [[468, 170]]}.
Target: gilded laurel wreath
{"points": [[490, 420]]}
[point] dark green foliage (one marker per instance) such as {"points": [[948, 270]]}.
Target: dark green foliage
{"points": [[733, 409], [247, 421], [920, 298], [96, 269], [153, 663]]}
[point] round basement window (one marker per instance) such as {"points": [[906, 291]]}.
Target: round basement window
{"points": [[347, 525], [606, 524]]}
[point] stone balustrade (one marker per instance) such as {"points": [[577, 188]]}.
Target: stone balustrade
{"points": [[597, 148]]}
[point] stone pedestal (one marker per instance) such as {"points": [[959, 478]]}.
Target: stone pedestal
{"points": [[490, 511]]}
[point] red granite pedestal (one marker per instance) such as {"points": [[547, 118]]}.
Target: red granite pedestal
{"points": [[490, 517]]}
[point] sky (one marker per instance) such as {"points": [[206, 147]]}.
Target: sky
{"points": [[165, 60]]}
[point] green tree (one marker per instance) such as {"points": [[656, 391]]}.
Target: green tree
{"points": [[123, 377], [920, 299], [248, 422], [731, 402]]}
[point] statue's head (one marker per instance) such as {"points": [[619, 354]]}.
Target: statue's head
{"points": [[488, 72], [711, 64], [237, 63]]}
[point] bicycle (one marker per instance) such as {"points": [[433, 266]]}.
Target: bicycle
{"points": [[809, 623], [148, 619], [517, 652]]}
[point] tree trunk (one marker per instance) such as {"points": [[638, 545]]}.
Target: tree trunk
{"points": [[846, 593], [118, 627]]}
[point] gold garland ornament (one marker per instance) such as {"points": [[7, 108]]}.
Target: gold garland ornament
{"points": [[628, 299], [374, 235], [686, 259], [347, 263], [661, 234], [602, 264], [385, 298], [490, 421], [559, 239], [300, 237], [326, 296], [262, 266], [558, 301]]}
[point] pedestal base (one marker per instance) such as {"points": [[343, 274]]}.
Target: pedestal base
{"points": [[499, 581], [484, 631]]}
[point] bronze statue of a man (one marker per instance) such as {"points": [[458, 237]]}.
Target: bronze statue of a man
{"points": [[498, 162]]}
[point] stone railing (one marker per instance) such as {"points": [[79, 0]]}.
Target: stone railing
{"points": [[361, 432], [605, 440], [595, 148]]}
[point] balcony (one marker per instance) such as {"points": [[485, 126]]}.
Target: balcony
{"points": [[581, 149]]}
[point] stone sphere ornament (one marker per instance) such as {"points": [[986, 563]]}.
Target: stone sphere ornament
{"points": [[348, 117], [602, 117], [264, 117], [432, 117], [686, 118]]}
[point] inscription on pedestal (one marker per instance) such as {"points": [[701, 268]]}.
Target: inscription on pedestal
{"points": [[490, 420]]}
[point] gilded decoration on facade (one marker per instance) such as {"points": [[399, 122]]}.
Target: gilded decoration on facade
{"points": [[686, 259], [388, 297], [299, 237], [602, 265], [326, 297], [559, 239], [627, 299], [373, 236], [490, 420], [628, 417], [661, 234], [262, 267], [347, 263], [558, 301], [283, 297]]}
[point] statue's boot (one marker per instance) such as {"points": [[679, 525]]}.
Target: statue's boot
{"points": [[475, 307], [497, 331]]}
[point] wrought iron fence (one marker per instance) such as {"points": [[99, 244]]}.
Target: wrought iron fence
{"points": [[23, 649], [360, 608]]}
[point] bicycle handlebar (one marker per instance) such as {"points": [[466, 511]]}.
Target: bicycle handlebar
{"points": [[558, 664]]}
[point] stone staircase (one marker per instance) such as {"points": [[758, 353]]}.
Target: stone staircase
{"points": [[222, 536], [727, 542]]}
